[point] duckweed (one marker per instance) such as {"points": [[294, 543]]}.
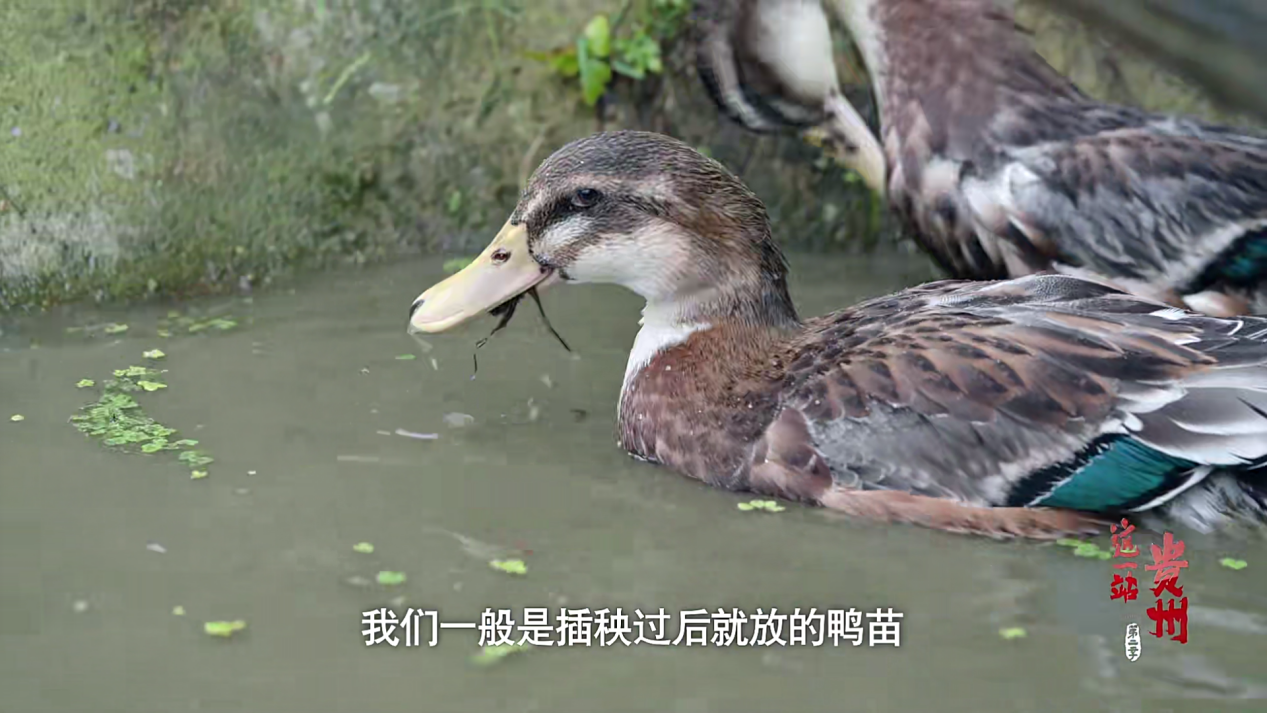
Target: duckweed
{"points": [[223, 628], [115, 328], [364, 548], [767, 505], [175, 321], [117, 420], [178, 610], [1083, 548], [391, 579], [1013, 632], [17, 417], [510, 566], [1232, 563], [85, 383], [489, 655], [154, 354]]}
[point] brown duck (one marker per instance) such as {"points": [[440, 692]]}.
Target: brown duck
{"points": [[1037, 406], [997, 164]]}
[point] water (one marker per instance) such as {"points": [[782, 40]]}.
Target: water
{"points": [[98, 547]]}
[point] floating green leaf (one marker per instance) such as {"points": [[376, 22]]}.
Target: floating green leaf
{"points": [[117, 420], [135, 371], [85, 383], [154, 354], [510, 566], [197, 475], [363, 547], [489, 655], [178, 610], [457, 263], [195, 458], [767, 505], [1013, 632], [391, 579], [223, 628], [406, 357], [163, 333], [17, 417], [116, 328], [1232, 563]]}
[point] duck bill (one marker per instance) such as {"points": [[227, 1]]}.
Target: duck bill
{"points": [[846, 136], [504, 270]]}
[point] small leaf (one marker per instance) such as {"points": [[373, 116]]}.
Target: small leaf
{"points": [[116, 328], [85, 383], [17, 417], [510, 566], [164, 333], [489, 655], [151, 385], [1013, 632], [154, 354], [178, 610], [406, 357], [1232, 563], [363, 547], [566, 64], [745, 506], [198, 475], [185, 442], [223, 628], [627, 70], [391, 579], [598, 35]]}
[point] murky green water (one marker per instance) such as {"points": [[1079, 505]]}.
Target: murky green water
{"points": [[299, 404]]}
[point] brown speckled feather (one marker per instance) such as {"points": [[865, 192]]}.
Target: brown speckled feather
{"points": [[930, 405]]}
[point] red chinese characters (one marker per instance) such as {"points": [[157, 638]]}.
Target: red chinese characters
{"points": [[1126, 587], [1166, 563]]}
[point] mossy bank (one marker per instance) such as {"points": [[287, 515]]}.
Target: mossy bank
{"points": [[182, 146]]}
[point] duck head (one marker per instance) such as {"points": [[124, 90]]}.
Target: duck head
{"points": [[769, 65], [635, 209]]}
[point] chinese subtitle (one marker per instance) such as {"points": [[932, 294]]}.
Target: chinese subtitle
{"points": [[610, 627]]}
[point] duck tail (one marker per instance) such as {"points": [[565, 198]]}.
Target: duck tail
{"points": [[1218, 504], [1218, 424]]}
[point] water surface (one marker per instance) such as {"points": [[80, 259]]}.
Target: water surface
{"points": [[300, 404]]}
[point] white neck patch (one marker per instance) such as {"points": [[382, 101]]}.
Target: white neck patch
{"points": [[660, 331]]}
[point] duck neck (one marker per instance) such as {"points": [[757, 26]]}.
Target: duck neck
{"points": [[965, 56], [751, 310]]}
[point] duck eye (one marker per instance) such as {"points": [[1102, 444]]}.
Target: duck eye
{"points": [[585, 197]]}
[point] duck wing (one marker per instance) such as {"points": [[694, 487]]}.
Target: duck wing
{"points": [[1047, 391], [1170, 207]]}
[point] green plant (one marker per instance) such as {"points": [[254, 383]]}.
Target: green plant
{"points": [[602, 52]]}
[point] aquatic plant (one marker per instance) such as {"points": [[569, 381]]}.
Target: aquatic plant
{"points": [[510, 566], [117, 420]]}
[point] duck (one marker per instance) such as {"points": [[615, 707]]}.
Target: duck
{"points": [[999, 166], [765, 83], [1036, 407]]}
